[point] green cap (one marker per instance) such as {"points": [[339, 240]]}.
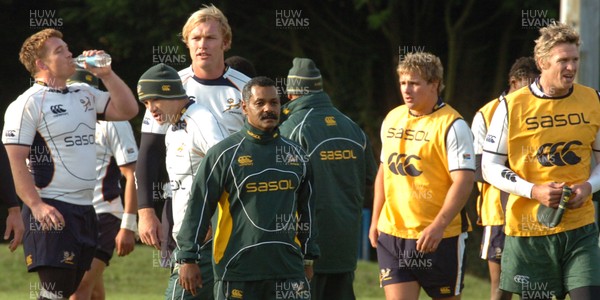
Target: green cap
{"points": [[160, 82], [84, 76], [304, 77]]}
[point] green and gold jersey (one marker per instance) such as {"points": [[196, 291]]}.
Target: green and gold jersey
{"points": [[260, 186]]}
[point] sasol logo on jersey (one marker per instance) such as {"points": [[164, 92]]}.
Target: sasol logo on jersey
{"points": [[408, 134], [175, 184], [402, 164], [79, 140], [337, 154], [558, 154], [559, 120], [269, 186], [58, 110]]}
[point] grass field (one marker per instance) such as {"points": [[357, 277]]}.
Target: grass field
{"points": [[138, 277]]}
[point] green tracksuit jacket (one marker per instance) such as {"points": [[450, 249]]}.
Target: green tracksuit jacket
{"points": [[260, 186], [343, 163]]}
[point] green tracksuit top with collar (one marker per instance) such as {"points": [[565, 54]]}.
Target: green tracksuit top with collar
{"points": [[259, 186], [344, 164]]}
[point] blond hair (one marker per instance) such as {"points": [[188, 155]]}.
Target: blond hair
{"points": [[33, 48], [427, 65], [201, 16], [550, 36]]}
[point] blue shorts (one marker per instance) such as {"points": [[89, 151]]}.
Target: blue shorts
{"points": [[108, 228], [440, 273], [492, 243], [70, 246]]}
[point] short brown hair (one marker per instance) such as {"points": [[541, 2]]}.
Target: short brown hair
{"points": [[33, 48], [552, 35], [201, 16], [427, 65]]}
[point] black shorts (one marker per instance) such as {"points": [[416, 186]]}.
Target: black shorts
{"points": [[70, 246], [492, 243], [440, 273], [108, 228]]}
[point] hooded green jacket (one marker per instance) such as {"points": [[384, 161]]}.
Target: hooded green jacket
{"points": [[260, 187], [344, 166]]}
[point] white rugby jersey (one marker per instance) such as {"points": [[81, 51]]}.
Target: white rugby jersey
{"points": [[115, 147], [59, 128], [187, 142], [222, 96]]}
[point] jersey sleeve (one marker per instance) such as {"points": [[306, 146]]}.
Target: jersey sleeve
{"points": [[101, 99], [495, 155], [459, 146], [479, 130], [122, 142], [20, 122], [307, 235]]}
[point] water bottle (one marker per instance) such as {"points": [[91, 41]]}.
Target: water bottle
{"points": [[97, 61]]}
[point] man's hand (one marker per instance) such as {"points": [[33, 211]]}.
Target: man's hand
{"points": [[373, 234], [48, 216], [547, 194], [190, 277], [430, 239], [149, 228], [309, 272], [14, 224], [125, 241], [581, 191]]}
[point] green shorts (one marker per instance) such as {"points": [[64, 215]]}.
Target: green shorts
{"points": [[550, 266], [269, 289]]}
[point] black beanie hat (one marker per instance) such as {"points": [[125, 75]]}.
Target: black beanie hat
{"points": [[85, 76], [304, 77], [160, 82]]}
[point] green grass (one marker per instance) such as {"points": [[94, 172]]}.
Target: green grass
{"points": [[137, 277]]}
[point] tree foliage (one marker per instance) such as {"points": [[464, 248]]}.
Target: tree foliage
{"points": [[356, 44]]}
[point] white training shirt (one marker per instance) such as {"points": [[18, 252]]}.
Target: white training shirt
{"points": [[187, 142], [222, 96], [59, 128], [115, 147]]}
